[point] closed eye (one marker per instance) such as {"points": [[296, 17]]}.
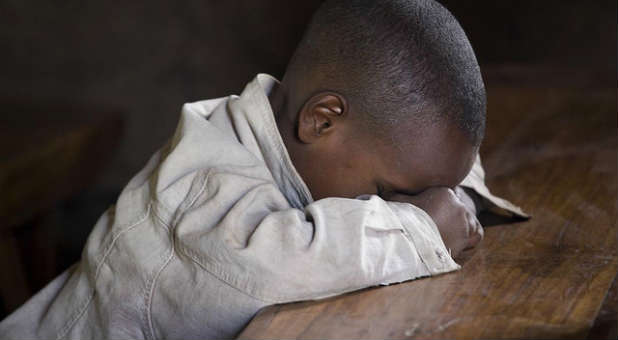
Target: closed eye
{"points": [[410, 192]]}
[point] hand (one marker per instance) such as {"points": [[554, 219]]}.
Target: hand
{"points": [[458, 225], [473, 202]]}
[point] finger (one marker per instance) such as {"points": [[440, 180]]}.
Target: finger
{"points": [[474, 230], [477, 226], [467, 201], [480, 229], [472, 224], [459, 192], [472, 241]]}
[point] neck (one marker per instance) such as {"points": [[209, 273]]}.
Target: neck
{"points": [[277, 99], [279, 102]]}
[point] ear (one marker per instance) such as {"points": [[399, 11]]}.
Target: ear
{"points": [[320, 116]]}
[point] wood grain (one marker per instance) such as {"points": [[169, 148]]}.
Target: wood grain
{"points": [[552, 151]]}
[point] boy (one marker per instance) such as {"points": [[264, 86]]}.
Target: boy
{"points": [[293, 190]]}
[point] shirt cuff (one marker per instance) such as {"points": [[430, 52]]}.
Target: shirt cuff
{"points": [[421, 230], [476, 181]]}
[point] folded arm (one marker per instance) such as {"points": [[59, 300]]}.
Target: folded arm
{"points": [[277, 254]]}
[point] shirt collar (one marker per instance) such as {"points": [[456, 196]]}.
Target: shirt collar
{"points": [[254, 104]]}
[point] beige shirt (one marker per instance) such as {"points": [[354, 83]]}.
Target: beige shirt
{"points": [[218, 225]]}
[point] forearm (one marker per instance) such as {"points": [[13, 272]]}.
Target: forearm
{"points": [[334, 246]]}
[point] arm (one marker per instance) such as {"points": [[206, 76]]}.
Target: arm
{"points": [[455, 211], [279, 254]]}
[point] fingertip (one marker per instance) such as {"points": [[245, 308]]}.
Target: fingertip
{"points": [[474, 240]]}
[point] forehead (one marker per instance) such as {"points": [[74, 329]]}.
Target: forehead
{"points": [[437, 154]]}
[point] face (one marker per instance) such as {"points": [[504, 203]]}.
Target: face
{"points": [[337, 158], [352, 163]]}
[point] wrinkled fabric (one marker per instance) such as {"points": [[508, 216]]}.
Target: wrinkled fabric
{"points": [[476, 180], [219, 224]]}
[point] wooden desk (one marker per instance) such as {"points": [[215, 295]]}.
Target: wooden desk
{"points": [[552, 151]]}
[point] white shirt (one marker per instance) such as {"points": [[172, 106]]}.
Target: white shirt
{"points": [[218, 225]]}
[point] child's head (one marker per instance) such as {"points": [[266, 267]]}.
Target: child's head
{"points": [[381, 95]]}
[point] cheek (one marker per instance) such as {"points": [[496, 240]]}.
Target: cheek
{"points": [[353, 178], [349, 169]]}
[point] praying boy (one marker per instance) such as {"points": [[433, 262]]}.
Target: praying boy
{"points": [[359, 168]]}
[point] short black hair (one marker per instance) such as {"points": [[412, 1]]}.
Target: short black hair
{"points": [[396, 60]]}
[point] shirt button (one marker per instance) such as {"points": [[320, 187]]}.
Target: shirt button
{"points": [[441, 255]]}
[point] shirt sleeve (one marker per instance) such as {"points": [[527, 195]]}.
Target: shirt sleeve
{"points": [[333, 246], [476, 181]]}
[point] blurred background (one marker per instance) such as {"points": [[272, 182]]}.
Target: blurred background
{"points": [[90, 89]]}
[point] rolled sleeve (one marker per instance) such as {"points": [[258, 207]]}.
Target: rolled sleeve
{"points": [[421, 230]]}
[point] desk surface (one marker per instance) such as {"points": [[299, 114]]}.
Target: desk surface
{"points": [[551, 151]]}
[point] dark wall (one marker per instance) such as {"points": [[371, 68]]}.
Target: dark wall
{"points": [[564, 32], [143, 58], [147, 58]]}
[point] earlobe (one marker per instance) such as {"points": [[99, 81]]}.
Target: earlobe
{"points": [[320, 116]]}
